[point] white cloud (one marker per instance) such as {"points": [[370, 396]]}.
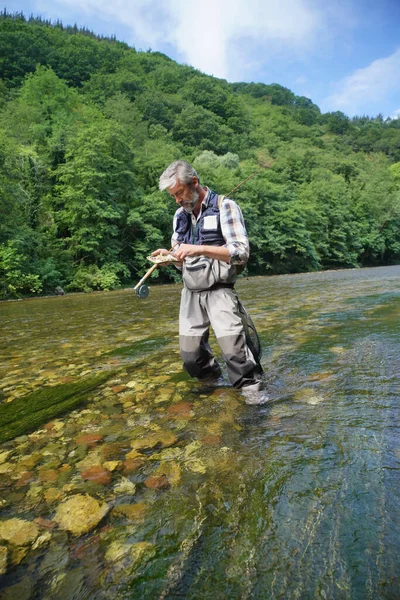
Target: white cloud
{"points": [[396, 114], [204, 33], [366, 87]]}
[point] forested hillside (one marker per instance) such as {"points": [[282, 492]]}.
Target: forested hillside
{"points": [[87, 125]]}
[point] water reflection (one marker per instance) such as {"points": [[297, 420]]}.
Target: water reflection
{"points": [[182, 491]]}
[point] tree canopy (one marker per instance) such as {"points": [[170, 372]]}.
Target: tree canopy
{"points": [[87, 125]]}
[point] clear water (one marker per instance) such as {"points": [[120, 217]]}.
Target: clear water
{"points": [[298, 498]]}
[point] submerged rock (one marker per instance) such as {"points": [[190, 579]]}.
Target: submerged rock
{"points": [[18, 532], [133, 512], [80, 514], [171, 471], [125, 487], [116, 551], [89, 439], [157, 483], [98, 474], [159, 438]]}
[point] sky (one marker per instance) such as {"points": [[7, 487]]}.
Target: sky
{"points": [[342, 54]]}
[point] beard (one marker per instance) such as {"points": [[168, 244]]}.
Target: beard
{"points": [[188, 205]]}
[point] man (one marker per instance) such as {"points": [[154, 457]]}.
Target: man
{"points": [[213, 247]]}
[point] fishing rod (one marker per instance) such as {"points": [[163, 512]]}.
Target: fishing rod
{"points": [[141, 290]]}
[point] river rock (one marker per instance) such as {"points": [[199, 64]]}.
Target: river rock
{"points": [[157, 483], [52, 495], [4, 455], [89, 439], [25, 478], [133, 512], [18, 532], [5, 468], [111, 465], [42, 540], [48, 475], [182, 409], [17, 554], [93, 459], [171, 470], [97, 474], [80, 514], [158, 438], [117, 551], [125, 487]]}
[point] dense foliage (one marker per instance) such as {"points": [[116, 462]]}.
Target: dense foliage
{"points": [[87, 125]]}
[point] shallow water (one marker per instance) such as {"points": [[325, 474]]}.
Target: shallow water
{"points": [[208, 497]]}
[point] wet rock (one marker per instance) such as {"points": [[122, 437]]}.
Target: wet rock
{"points": [[211, 440], [168, 454], [25, 479], [45, 523], [4, 456], [164, 439], [48, 475], [157, 483], [42, 540], [6, 468], [131, 465], [182, 409], [80, 514], [113, 450], [93, 459], [125, 487], [53, 495], [111, 465], [117, 551], [3, 559], [97, 474], [29, 461], [196, 465], [133, 512], [18, 532], [89, 439], [117, 389], [171, 471], [17, 554]]}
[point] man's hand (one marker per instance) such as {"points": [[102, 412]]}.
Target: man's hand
{"points": [[165, 252], [160, 251], [185, 250]]}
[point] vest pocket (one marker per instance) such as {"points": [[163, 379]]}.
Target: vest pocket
{"points": [[198, 273]]}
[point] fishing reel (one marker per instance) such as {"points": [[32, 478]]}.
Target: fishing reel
{"points": [[142, 292]]}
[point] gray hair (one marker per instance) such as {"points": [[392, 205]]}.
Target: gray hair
{"points": [[179, 169]]}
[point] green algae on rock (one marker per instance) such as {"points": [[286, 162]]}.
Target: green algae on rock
{"points": [[29, 412]]}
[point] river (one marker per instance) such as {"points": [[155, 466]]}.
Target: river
{"points": [[140, 483]]}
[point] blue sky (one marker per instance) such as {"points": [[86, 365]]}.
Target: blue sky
{"points": [[343, 54]]}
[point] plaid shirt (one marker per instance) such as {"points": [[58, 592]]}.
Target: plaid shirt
{"points": [[232, 227]]}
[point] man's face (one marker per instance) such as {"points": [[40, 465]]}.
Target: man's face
{"points": [[185, 195]]}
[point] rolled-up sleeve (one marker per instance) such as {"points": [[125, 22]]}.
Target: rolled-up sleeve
{"points": [[234, 232]]}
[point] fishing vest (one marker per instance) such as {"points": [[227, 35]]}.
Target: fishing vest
{"points": [[208, 227], [201, 273]]}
